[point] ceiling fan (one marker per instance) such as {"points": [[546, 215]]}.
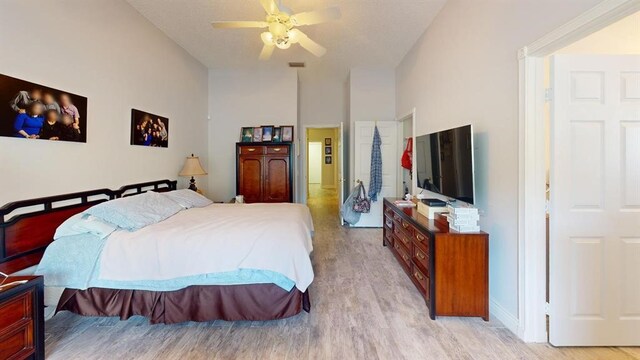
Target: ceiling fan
{"points": [[282, 27]]}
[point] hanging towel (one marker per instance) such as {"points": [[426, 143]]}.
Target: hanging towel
{"points": [[375, 184]]}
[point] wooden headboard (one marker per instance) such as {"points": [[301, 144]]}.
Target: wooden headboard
{"points": [[27, 226]]}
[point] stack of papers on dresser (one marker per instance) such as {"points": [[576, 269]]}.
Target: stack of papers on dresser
{"points": [[463, 219]]}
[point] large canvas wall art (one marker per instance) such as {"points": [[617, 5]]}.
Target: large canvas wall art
{"points": [[33, 111], [148, 129]]}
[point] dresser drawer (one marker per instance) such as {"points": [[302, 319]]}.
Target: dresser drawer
{"points": [[15, 309], [421, 280], [421, 240], [17, 343], [278, 150], [388, 236], [421, 258], [388, 212], [406, 227], [403, 238], [251, 150], [388, 222], [403, 255]]}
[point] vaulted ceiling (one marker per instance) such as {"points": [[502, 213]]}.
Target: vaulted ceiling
{"points": [[371, 33]]}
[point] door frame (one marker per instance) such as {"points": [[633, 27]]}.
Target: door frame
{"points": [[304, 184], [532, 324], [410, 116]]}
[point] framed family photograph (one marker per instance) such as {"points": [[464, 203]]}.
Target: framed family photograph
{"points": [[327, 160], [246, 135], [267, 133], [277, 134], [33, 111], [287, 133], [148, 129], [327, 150], [327, 141], [257, 134]]}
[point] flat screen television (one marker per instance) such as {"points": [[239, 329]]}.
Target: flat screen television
{"points": [[444, 163]]}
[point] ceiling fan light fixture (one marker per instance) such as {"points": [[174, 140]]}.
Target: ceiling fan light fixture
{"points": [[283, 43], [267, 38], [277, 29]]}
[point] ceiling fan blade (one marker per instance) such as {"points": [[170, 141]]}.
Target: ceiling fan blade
{"points": [[266, 52], [238, 24], [270, 6], [308, 44], [316, 17]]}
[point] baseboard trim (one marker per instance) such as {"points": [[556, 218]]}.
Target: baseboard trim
{"points": [[506, 318]]}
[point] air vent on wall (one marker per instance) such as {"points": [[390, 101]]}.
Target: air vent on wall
{"points": [[296, 64]]}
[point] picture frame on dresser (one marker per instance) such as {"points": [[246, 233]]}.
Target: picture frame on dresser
{"points": [[287, 133], [257, 134], [246, 134]]}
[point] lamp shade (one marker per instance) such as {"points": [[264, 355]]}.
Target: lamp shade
{"points": [[192, 167]]}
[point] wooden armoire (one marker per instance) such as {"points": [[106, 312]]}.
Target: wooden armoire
{"points": [[264, 172]]}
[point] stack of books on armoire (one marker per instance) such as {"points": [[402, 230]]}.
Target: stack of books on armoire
{"points": [[463, 219]]}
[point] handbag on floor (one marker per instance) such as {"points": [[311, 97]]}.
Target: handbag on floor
{"points": [[346, 210], [361, 203]]}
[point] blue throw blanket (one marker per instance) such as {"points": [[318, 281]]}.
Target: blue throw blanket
{"points": [[375, 184]]}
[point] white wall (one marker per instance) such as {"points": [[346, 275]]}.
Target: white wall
{"points": [[464, 69], [240, 98], [323, 100], [372, 97], [106, 51], [622, 37]]}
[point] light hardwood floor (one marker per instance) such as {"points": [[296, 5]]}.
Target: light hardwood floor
{"points": [[363, 307]]}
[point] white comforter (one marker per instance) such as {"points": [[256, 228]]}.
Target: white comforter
{"points": [[216, 238]]}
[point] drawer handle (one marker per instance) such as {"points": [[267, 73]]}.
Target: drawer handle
{"points": [[251, 149], [420, 256], [420, 237], [405, 225], [405, 257], [404, 240], [418, 276], [277, 149]]}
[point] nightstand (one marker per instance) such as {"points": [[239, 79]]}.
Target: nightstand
{"points": [[22, 319]]}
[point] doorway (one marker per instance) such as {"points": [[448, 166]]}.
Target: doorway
{"points": [[584, 258], [323, 168]]}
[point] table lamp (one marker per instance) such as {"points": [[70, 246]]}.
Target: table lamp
{"points": [[192, 167]]}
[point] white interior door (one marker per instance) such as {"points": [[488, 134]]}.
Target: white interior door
{"points": [[341, 170], [594, 265], [390, 161], [315, 162]]}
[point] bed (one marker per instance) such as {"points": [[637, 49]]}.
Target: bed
{"points": [[219, 261]]}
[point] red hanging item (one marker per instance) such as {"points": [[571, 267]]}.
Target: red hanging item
{"points": [[407, 157]]}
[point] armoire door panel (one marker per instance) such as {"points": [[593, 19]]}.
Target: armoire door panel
{"points": [[250, 178], [276, 179]]}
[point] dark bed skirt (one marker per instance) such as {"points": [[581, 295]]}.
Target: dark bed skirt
{"points": [[254, 302]]}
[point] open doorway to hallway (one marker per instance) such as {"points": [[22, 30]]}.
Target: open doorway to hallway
{"points": [[323, 163]]}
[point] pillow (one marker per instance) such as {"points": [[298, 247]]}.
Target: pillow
{"points": [[188, 198], [135, 212], [83, 224]]}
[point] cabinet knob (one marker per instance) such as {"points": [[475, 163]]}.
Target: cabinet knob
{"points": [[251, 149], [418, 276], [420, 256], [277, 149]]}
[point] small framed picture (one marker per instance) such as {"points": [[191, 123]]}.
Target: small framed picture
{"points": [[327, 150], [287, 133], [267, 133], [257, 134], [277, 134], [327, 141], [247, 134], [327, 160]]}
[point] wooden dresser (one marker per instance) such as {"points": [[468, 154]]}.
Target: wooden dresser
{"points": [[22, 319], [264, 172], [449, 269]]}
